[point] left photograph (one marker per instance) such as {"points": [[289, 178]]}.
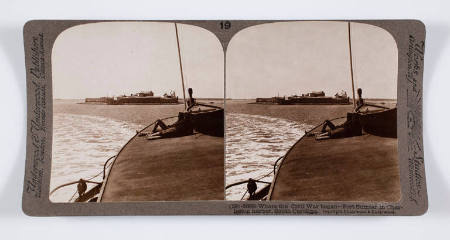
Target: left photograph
{"points": [[137, 113]]}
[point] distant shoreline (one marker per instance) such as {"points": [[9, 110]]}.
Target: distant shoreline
{"points": [[181, 99]]}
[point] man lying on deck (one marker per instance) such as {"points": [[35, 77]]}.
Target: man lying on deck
{"points": [[182, 127], [351, 127]]}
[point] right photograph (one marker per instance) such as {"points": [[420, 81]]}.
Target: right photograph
{"points": [[311, 113]]}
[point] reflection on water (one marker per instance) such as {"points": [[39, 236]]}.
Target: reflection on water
{"points": [[81, 145], [253, 144]]}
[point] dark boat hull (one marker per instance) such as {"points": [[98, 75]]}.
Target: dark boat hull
{"points": [[209, 122], [380, 123]]}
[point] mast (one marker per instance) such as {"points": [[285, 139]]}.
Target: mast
{"points": [[181, 67], [351, 64]]}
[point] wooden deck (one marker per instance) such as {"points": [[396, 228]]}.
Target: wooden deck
{"points": [[362, 168], [170, 169]]}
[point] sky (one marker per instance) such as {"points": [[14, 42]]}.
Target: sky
{"points": [[298, 57], [285, 58], [114, 58]]}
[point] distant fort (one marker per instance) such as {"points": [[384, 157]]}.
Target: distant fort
{"points": [[137, 98], [311, 98]]}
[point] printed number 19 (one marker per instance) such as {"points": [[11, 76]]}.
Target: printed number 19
{"points": [[225, 25]]}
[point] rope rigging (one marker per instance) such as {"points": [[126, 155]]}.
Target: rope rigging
{"points": [[258, 179], [70, 183]]}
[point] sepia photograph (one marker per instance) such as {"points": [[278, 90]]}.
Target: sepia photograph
{"points": [[138, 113], [311, 113], [224, 117]]}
